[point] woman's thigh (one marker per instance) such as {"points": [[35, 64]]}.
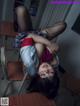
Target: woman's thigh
{"points": [[40, 48]]}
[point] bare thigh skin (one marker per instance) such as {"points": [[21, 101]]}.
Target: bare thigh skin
{"points": [[40, 49], [55, 30]]}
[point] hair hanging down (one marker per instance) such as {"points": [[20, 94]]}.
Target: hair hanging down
{"points": [[27, 19], [45, 86]]}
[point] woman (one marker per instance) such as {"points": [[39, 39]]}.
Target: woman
{"points": [[22, 22], [27, 42]]}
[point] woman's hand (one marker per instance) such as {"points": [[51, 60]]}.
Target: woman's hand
{"points": [[53, 47]]}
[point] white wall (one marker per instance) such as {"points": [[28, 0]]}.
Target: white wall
{"points": [[7, 13], [1, 9], [69, 43], [53, 14]]}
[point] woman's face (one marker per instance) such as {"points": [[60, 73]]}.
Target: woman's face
{"points": [[20, 11], [46, 70]]}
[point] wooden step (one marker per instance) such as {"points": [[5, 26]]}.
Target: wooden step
{"points": [[30, 99]]}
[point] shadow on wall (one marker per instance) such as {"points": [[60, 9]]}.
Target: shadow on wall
{"points": [[1, 8], [69, 54]]}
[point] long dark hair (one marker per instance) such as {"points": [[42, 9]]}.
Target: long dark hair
{"points": [[45, 86], [27, 19]]}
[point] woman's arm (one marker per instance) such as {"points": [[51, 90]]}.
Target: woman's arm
{"points": [[38, 39]]}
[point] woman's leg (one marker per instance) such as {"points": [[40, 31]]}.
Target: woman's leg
{"points": [[25, 25], [54, 31], [40, 49]]}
